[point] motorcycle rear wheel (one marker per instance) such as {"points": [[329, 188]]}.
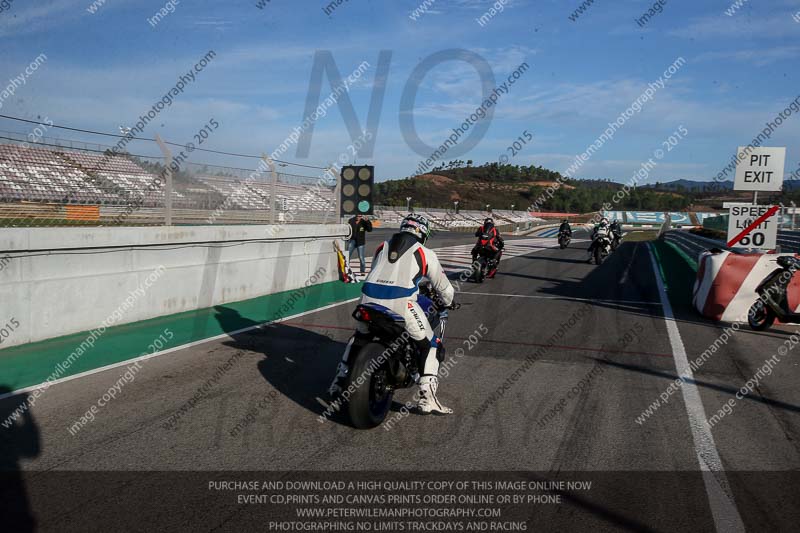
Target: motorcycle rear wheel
{"points": [[370, 402], [760, 316]]}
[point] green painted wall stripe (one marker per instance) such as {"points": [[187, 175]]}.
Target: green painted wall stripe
{"points": [[678, 275], [31, 364], [691, 262]]}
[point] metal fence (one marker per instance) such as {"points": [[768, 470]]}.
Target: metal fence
{"points": [[788, 241], [57, 182]]}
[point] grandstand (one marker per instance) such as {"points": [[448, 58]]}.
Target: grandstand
{"points": [[51, 184], [37, 182], [448, 219]]}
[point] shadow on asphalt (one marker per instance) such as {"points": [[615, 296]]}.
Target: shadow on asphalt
{"points": [[556, 259], [700, 383], [603, 283], [298, 362], [19, 440]]}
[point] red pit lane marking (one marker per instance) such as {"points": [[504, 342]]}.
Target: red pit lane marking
{"points": [[516, 343], [754, 225]]}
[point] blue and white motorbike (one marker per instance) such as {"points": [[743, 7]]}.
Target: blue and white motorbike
{"points": [[385, 358]]}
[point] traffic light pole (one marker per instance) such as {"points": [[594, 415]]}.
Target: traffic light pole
{"points": [[336, 195]]}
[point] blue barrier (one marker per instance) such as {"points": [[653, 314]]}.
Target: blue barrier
{"points": [[652, 217], [612, 215]]}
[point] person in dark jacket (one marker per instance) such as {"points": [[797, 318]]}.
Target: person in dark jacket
{"points": [[359, 226]]}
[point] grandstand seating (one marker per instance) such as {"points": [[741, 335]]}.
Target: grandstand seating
{"points": [[33, 174], [62, 176], [514, 217], [463, 219]]}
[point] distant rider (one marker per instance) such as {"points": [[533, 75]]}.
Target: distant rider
{"points": [[564, 227], [616, 231], [493, 242], [400, 264], [599, 230]]}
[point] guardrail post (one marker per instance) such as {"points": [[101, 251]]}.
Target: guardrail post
{"points": [[273, 201]]}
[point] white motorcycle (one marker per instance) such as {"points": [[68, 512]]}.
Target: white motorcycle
{"points": [[602, 245]]}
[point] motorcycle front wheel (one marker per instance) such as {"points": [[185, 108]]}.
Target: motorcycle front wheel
{"points": [[760, 316], [369, 404], [599, 256], [480, 272]]}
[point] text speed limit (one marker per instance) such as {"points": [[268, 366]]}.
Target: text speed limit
{"points": [[745, 233]]}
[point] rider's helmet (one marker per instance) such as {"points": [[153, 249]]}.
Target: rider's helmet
{"points": [[488, 222], [565, 221], [603, 222], [416, 225]]}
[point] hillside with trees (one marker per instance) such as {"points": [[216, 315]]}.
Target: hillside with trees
{"points": [[502, 186]]}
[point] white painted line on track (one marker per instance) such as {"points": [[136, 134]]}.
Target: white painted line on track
{"points": [[624, 277], [720, 496], [45, 385], [568, 298]]}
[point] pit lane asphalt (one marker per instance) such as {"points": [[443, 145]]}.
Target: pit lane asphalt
{"points": [[617, 345]]}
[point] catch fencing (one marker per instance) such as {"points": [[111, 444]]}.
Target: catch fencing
{"points": [[58, 182]]}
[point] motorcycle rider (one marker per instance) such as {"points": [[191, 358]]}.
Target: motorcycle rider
{"points": [[494, 243], [564, 227], [599, 230], [400, 264], [616, 232]]}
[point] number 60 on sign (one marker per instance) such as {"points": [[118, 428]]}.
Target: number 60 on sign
{"points": [[763, 236]]}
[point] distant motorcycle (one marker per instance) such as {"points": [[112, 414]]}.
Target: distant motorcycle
{"points": [[772, 300], [484, 262], [564, 239], [616, 240], [385, 359]]}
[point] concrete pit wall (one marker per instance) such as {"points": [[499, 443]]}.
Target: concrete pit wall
{"points": [[58, 281]]}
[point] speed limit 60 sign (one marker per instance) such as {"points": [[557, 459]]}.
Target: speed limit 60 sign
{"points": [[743, 233]]}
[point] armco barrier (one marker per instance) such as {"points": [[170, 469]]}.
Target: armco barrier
{"points": [[725, 287], [59, 281]]}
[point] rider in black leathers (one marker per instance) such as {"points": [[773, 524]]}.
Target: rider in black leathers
{"points": [[616, 232]]}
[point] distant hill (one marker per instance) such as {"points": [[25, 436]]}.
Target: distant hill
{"points": [[692, 186], [709, 186], [522, 186]]}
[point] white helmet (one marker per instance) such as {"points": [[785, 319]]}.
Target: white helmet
{"points": [[417, 225]]}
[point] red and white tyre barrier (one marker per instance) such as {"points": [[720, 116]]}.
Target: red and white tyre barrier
{"points": [[725, 287]]}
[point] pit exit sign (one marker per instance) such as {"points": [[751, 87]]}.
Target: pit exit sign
{"points": [[759, 169]]}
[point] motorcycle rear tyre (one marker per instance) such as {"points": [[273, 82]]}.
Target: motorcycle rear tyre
{"points": [[365, 411]]}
